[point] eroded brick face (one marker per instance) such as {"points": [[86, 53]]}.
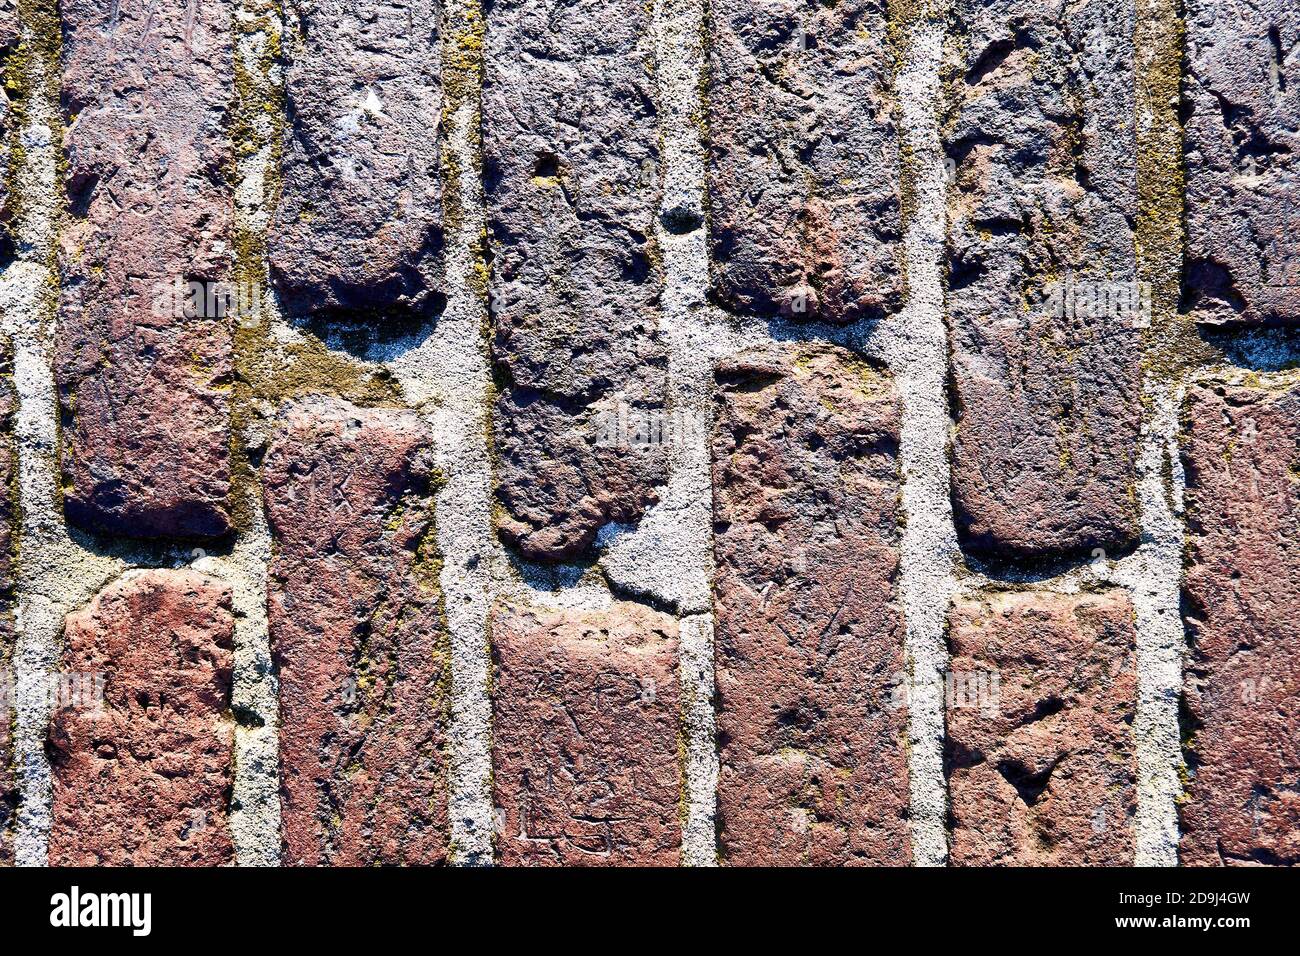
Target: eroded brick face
{"points": [[358, 232], [803, 172], [810, 664], [144, 377], [1243, 182], [358, 636], [585, 737], [1241, 595], [571, 179], [1041, 761], [145, 779], [1044, 312]]}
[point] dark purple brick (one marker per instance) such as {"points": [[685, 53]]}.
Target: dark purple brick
{"points": [[1242, 133], [803, 165], [570, 144], [358, 229], [1045, 314]]}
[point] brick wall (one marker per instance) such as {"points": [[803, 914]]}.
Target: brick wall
{"points": [[671, 433]]}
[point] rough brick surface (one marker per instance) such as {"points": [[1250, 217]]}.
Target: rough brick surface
{"points": [[1243, 182], [358, 635], [145, 780], [144, 391], [609, 326], [809, 632], [1242, 601], [1046, 399], [359, 223], [803, 166], [572, 185], [585, 749], [8, 552], [1041, 762]]}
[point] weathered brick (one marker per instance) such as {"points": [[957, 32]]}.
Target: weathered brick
{"points": [[1041, 763], [358, 228], [809, 646], [1044, 310], [1242, 604], [9, 796], [145, 779], [358, 635], [586, 728], [572, 185], [144, 389], [803, 170], [1243, 188]]}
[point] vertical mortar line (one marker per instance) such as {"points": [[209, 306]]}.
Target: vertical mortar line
{"points": [[450, 379], [1155, 576], [29, 311], [916, 347], [700, 751], [255, 808], [1155, 583], [29, 303], [693, 334]]}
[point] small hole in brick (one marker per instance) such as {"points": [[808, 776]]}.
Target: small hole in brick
{"points": [[547, 166]]}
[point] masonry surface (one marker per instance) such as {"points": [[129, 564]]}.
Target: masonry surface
{"points": [[687, 432]]}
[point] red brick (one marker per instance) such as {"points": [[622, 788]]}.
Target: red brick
{"points": [[358, 635], [144, 393], [146, 779], [809, 632], [1041, 763], [1242, 602], [804, 206], [586, 737]]}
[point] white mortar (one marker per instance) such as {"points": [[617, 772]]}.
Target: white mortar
{"points": [[449, 378], [915, 346]]}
